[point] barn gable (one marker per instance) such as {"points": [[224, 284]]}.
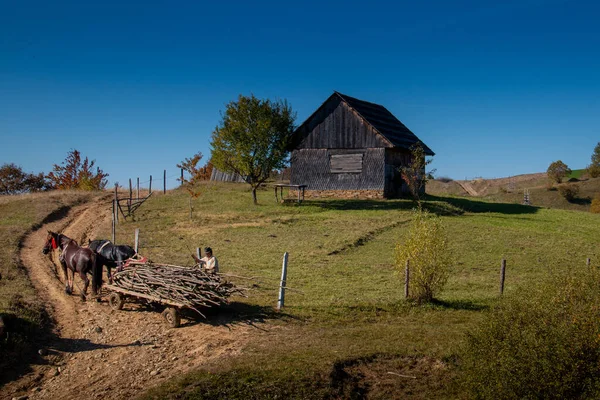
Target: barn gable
{"points": [[347, 122]]}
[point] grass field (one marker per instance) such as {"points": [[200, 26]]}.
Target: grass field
{"points": [[349, 332], [19, 305]]}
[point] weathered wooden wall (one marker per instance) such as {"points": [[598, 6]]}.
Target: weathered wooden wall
{"points": [[339, 128], [221, 176], [312, 167]]}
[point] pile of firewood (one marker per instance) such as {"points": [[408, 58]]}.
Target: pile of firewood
{"points": [[189, 287]]}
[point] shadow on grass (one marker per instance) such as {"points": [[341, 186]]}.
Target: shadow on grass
{"points": [[450, 206], [237, 313], [582, 201], [478, 206], [465, 305]]}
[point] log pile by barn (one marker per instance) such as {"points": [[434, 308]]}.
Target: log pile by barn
{"points": [[351, 147]]}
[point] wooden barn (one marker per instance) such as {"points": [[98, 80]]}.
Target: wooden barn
{"points": [[351, 148]]}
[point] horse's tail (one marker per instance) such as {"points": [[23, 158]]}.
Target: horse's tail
{"points": [[96, 275]]}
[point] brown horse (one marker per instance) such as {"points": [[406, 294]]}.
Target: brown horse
{"points": [[77, 259]]}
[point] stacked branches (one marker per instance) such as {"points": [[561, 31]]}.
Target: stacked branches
{"points": [[187, 287]]}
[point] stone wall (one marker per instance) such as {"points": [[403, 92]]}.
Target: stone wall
{"points": [[340, 194]]}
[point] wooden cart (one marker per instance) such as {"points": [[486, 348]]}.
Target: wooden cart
{"points": [[171, 314]]}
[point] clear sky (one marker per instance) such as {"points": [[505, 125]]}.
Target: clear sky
{"points": [[494, 88]]}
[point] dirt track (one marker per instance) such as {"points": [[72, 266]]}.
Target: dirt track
{"points": [[100, 353]]}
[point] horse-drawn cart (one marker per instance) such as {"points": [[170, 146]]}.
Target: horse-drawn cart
{"points": [[178, 288], [119, 296]]}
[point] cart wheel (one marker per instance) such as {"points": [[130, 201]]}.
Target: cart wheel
{"points": [[172, 317], [115, 301]]}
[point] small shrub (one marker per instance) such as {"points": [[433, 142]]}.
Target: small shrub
{"points": [[429, 255], [593, 170], [568, 191], [540, 344], [595, 207], [557, 171]]}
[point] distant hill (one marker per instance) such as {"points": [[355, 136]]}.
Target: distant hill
{"points": [[511, 190]]}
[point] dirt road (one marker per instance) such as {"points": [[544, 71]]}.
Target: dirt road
{"points": [[468, 188], [100, 353]]}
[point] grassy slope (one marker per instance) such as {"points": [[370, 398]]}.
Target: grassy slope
{"points": [[541, 196], [350, 327], [506, 191], [19, 304]]}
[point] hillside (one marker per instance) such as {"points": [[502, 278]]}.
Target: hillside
{"points": [[345, 325], [511, 190]]}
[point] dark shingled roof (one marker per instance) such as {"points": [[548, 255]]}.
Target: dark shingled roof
{"points": [[385, 123]]}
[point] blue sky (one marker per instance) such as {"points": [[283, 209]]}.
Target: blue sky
{"points": [[494, 88]]}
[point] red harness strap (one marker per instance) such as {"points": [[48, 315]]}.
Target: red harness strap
{"points": [[54, 246]]}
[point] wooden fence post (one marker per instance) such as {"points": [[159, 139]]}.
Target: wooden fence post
{"points": [[406, 278], [588, 262], [198, 253], [137, 239], [150, 186], [130, 197], [164, 181], [281, 300], [502, 275], [116, 204], [114, 214], [181, 177], [138, 189]]}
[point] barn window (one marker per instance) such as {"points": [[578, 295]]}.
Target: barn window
{"points": [[346, 163]]}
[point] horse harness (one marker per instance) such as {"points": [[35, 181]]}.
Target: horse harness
{"points": [[103, 246]]}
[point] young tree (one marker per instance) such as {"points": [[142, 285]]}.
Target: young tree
{"points": [[197, 174], [14, 180], [414, 173], [557, 171], [251, 139], [73, 173], [594, 168], [430, 258]]}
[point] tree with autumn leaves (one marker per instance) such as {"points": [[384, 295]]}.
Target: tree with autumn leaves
{"points": [[13, 180], [75, 173]]}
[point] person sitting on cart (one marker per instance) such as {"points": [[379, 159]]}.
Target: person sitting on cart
{"points": [[209, 263]]}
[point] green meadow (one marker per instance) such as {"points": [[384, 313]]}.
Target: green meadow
{"points": [[346, 328]]}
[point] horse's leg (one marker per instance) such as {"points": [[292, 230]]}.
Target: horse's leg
{"points": [[66, 273], [86, 283], [109, 274], [72, 283]]}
